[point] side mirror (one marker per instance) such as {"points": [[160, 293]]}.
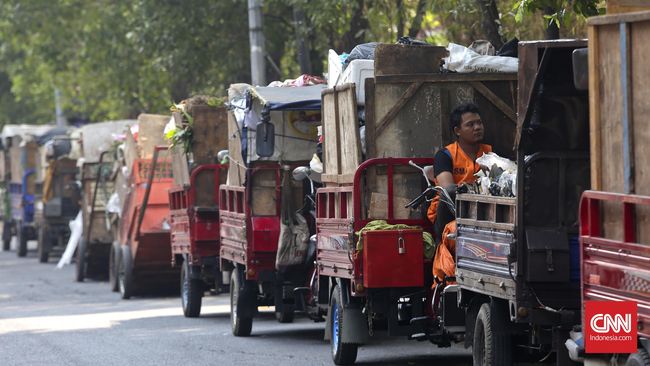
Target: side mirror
{"points": [[265, 135], [581, 69], [222, 155], [301, 173]]}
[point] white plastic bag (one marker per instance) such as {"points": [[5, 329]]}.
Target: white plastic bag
{"points": [[76, 230], [490, 159], [462, 59]]}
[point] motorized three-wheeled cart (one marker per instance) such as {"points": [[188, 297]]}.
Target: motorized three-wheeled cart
{"points": [[194, 203], [97, 175], [143, 226], [274, 133]]}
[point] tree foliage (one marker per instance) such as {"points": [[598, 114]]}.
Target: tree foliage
{"points": [[115, 59]]}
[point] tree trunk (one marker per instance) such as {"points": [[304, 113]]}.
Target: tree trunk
{"points": [[400, 18], [490, 22], [302, 42], [552, 30], [358, 27], [416, 26]]}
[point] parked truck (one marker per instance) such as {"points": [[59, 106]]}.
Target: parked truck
{"points": [[194, 200]]}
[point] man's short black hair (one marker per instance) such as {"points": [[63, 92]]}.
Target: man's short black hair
{"points": [[457, 113]]}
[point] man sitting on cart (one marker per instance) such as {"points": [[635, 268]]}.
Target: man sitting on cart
{"points": [[455, 164]]}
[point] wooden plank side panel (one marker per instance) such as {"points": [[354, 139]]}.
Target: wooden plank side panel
{"points": [[236, 172], [330, 135], [350, 145], [594, 107], [640, 77], [609, 126]]}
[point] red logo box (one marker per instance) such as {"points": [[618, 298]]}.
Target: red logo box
{"points": [[610, 326]]}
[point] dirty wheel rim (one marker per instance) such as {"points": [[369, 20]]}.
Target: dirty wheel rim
{"points": [[185, 286], [234, 298], [335, 328]]}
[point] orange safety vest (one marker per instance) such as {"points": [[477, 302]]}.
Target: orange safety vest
{"points": [[463, 170]]}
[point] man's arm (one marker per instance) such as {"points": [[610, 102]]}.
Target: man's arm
{"points": [[442, 168]]}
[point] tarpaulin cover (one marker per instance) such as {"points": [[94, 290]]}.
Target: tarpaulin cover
{"points": [[301, 98]]}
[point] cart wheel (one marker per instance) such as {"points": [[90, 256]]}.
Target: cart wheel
{"points": [[125, 272], [43, 245], [241, 326], [191, 292], [113, 263], [284, 314], [342, 353], [640, 358], [6, 236], [492, 344], [22, 241], [81, 260]]}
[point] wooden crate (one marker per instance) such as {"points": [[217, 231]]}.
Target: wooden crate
{"points": [[341, 144], [619, 100], [488, 212], [209, 136]]}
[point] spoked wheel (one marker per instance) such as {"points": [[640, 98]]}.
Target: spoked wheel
{"points": [[342, 353], [239, 298], [43, 245], [492, 344], [22, 241], [6, 236], [80, 274], [125, 273], [113, 263], [191, 292]]}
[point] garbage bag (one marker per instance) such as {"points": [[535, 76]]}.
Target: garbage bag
{"points": [[293, 242], [463, 59], [76, 230], [364, 51]]}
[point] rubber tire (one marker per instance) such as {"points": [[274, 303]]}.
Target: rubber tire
{"points": [[6, 236], [284, 316], [80, 265], [22, 241], [113, 263], [125, 273], [43, 238], [640, 358], [191, 292], [492, 345], [241, 326], [342, 353]]}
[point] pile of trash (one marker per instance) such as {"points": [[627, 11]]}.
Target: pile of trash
{"points": [[497, 177]]}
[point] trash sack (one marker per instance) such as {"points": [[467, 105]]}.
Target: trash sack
{"points": [[490, 159], [76, 230], [462, 59], [364, 51], [509, 49], [444, 264], [293, 242]]}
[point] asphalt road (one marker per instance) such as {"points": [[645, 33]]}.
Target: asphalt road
{"points": [[48, 319]]}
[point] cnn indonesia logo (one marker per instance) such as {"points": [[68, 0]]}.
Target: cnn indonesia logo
{"points": [[610, 326]]}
